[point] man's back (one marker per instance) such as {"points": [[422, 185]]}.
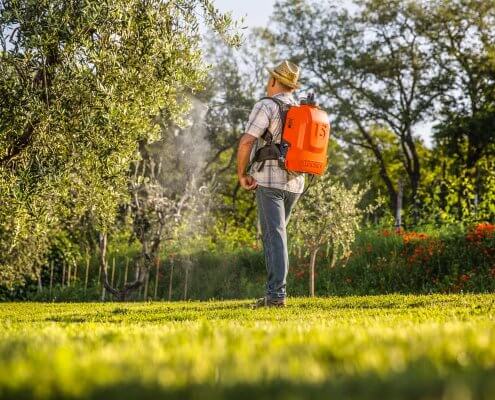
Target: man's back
{"points": [[266, 114]]}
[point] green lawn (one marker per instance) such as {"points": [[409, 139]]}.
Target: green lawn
{"points": [[375, 347]]}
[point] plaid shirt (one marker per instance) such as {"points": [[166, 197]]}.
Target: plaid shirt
{"points": [[265, 114]]}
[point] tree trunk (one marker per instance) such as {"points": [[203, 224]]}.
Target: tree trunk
{"points": [[86, 275], [40, 285], [413, 169], [333, 260], [377, 152], [63, 273], [312, 273], [186, 280], [51, 277], [103, 264], [113, 271], [146, 285], [398, 210], [75, 272], [126, 269], [119, 294], [99, 275], [157, 277], [68, 275], [171, 279]]}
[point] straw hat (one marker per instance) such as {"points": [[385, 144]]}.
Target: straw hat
{"points": [[287, 73]]}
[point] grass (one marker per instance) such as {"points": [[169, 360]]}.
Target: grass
{"points": [[369, 347]]}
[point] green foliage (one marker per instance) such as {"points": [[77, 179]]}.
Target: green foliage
{"points": [[385, 347], [80, 84], [464, 39], [446, 260], [389, 67], [449, 260], [236, 82], [228, 237], [453, 192], [373, 75], [327, 213], [87, 88]]}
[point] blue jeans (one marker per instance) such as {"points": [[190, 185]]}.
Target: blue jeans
{"points": [[274, 208]]}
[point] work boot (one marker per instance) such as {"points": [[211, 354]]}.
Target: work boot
{"points": [[266, 302]]}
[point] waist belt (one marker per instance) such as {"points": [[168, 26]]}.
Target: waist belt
{"points": [[271, 151]]}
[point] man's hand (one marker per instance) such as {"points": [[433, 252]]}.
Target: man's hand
{"points": [[245, 145], [248, 182]]}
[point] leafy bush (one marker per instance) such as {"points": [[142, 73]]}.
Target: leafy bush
{"points": [[446, 260]]}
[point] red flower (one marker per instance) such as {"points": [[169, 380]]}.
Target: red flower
{"points": [[419, 248], [480, 232], [408, 237]]}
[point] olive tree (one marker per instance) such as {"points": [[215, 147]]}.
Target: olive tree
{"points": [[169, 196], [328, 214], [80, 83]]}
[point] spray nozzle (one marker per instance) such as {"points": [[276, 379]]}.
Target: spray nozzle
{"points": [[309, 100]]}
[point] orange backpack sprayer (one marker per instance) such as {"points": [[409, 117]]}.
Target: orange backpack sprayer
{"points": [[304, 141]]}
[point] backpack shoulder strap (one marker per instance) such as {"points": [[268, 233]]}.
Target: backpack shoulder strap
{"points": [[283, 108], [281, 105]]}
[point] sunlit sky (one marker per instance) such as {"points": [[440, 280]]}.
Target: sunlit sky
{"points": [[257, 13]]}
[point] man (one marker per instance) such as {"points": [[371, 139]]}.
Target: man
{"points": [[277, 190]]}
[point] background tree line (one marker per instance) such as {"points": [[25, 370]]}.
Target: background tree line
{"points": [[113, 125]]}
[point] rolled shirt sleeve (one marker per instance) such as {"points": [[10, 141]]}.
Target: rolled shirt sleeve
{"points": [[259, 120]]}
